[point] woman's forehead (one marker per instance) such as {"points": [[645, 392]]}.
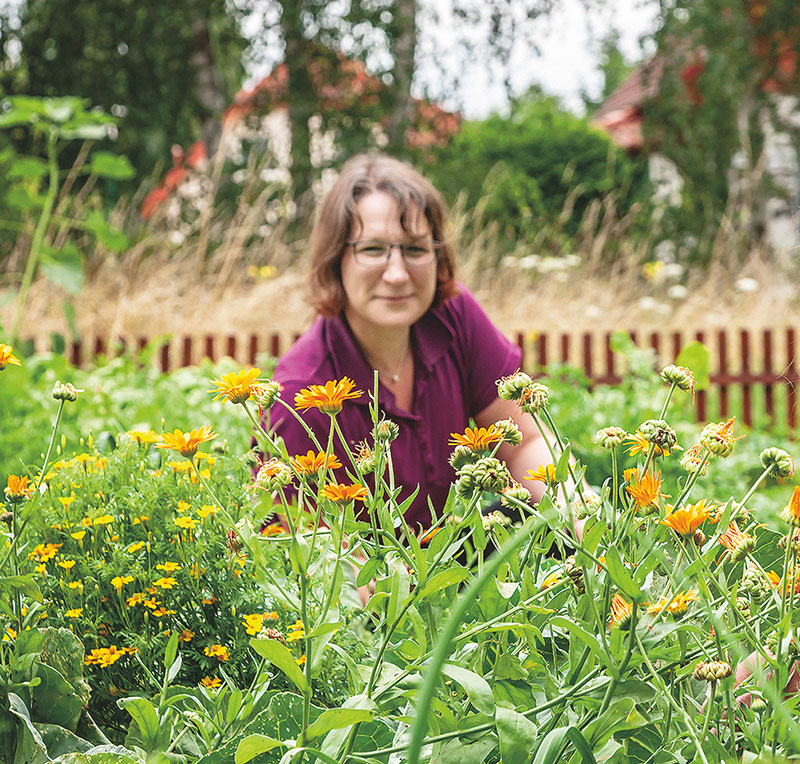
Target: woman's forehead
{"points": [[379, 215]]}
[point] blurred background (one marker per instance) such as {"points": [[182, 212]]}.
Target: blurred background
{"points": [[609, 165]]}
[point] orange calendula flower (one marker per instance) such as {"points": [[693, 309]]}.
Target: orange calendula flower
{"points": [[621, 611], [186, 444], [675, 606], [646, 491], [18, 488], [477, 439], [186, 635], [686, 520], [311, 463], [7, 356], [328, 398], [733, 538], [340, 493], [238, 386], [791, 512], [556, 577], [639, 445], [543, 474], [273, 529]]}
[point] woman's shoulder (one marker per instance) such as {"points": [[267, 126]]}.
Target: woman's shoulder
{"points": [[460, 309], [307, 359]]}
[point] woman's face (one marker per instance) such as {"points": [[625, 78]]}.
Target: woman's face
{"points": [[394, 295]]}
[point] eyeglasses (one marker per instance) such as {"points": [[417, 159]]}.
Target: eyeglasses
{"points": [[375, 254]]}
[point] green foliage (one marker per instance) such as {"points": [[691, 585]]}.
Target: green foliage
{"points": [[527, 168]]}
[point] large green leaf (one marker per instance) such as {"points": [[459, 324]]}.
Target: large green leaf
{"points": [[476, 687], [27, 168], [144, 714], [112, 166], [54, 699], [281, 658], [549, 752], [64, 267], [337, 718], [24, 584], [517, 735], [697, 358], [253, 745], [62, 650]]}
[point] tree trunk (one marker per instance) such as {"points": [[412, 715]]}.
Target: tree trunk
{"points": [[208, 83], [405, 43], [300, 99]]}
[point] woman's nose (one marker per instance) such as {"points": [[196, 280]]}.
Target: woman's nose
{"points": [[395, 269]]}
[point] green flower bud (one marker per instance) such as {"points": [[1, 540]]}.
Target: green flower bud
{"points": [[511, 432], [610, 437], [462, 455], [487, 474], [64, 391], [386, 431], [658, 432], [679, 376], [510, 388], [718, 438], [755, 585], [779, 463], [534, 398], [273, 475], [268, 393], [494, 519], [575, 574], [713, 671], [514, 491]]}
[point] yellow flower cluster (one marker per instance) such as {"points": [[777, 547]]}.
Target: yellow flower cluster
{"points": [[219, 652], [105, 656]]}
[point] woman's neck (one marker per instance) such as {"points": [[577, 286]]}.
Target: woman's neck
{"points": [[385, 348]]}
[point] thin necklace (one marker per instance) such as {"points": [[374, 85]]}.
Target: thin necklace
{"points": [[396, 376]]}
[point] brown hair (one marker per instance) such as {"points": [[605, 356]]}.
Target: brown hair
{"points": [[362, 175]]}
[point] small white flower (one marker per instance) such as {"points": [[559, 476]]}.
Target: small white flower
{"points": [[176, 238], [747, 285], [677, 292], [529, 261]]}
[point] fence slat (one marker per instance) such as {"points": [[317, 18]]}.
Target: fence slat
{"points": [[164, 357], [521, 346], [769, 389], [747, 404], [230, 347], [186, 354], [208, 351], [587, 355], [541, 353], [701, 394], [252, 349], [722, 339], [791, 383]]}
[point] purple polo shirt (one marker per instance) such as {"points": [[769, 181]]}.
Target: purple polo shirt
{"points": [[458, 356]]}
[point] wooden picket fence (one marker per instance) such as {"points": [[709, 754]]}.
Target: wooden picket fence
{"points": [[759, 364]]}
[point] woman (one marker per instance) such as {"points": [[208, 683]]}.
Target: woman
{"points": [[382, 281]]}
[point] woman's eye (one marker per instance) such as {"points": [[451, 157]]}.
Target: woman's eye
{"points": [[372, 249]]}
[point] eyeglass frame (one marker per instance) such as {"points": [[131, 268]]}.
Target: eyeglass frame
{"points": [[390, 246]]}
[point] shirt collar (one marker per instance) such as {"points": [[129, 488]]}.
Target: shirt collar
{"points": [[431, 337]]}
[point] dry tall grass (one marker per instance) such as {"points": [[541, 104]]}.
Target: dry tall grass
{"points": [[235, 273]]}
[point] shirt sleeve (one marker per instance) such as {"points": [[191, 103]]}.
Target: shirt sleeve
{"points": [[488, 353]]}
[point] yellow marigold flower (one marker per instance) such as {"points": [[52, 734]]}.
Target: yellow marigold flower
{"points": [[119, 581], [41, 568], [66, 564], [340, 493], [140, 519], [165, 582], [66, 500], [136, 546], [544, 473], [271, 616], [328, 398], [186, 635], [686, 520], [187, 523], [75, 612], [296, 631], [477, 439], [237, 387], [183, 506], [74, 584], [143, 437], [252, 623], [207, 458], [639, 445], [9, 635], [45, 552], [78, 535], [301, 661], [180, 466], [103, 520], [206, 510], [676, 606], [18, 488], [207, 681], [312, 463], [104, 656], [217, 651], [168, 567], [556, 577], [186, 444], [86, 522], [135, 599], [791, 512], [7, 356], [161, 611], [621, 611], [646, 490]]}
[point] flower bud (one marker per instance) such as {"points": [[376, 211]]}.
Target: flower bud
{"points": [[713, 671], [659, 433], [743, 605], [494, 519], [699, 537], [273, 475], [462, 455], [7, 518], [758, 705], [755, 585], [511, 432], [514, 491], [693, 459], [610, 437], [778, 462], [274, 634], [365, 458], [487, 474], [679, 376], [64, 391], [575, 574], [718, 438], [233, 542], [743, 549], [534, 398], [510, 388], [386, 431], [267, 393]]}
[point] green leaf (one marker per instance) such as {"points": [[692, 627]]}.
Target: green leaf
{"points": [[112, 166], [621, 577], [171, 650], [622, 343], [144, 714], [281, 658], [477, 688], [697, 358], [588, 639], [24, 584], [112, 238], [517, 735], [17, 707], [64, 267], [253, 745], [549, 751], [443, 579], [367, 573], [338, 718], [562, 467], [27, 168]]}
